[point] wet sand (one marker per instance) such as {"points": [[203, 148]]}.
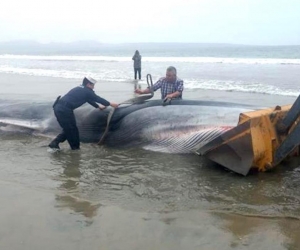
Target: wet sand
{"points": [[33, 220], [103, 198], [61, 201], [35, 88]]}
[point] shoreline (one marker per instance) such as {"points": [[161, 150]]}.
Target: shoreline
{"points": [[22, 87]]}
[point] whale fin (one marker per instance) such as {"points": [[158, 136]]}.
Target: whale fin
{"points": [[28, 124]]}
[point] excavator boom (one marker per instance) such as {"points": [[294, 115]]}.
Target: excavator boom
{"points": [[261, 140]]}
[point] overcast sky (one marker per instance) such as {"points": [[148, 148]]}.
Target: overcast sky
{"points": [[254, 22]]}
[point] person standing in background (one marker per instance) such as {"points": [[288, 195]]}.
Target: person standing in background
{"points": [[137, 64]]}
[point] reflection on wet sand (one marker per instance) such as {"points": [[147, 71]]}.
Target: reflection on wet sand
{"points": [[69, 195], [283, 231], [266, 208], [291, 228], [148, 201]]}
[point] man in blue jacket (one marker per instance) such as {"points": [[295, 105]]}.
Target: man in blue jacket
{"points": [[63, 110]]}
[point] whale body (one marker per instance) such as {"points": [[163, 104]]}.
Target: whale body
{"points": [[174, 128]]}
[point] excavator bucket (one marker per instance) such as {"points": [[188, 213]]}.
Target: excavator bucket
{"points": [[253, 143]]}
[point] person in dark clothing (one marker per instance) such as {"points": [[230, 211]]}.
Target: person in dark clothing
{"points": [[63, 110], [137, 64]]}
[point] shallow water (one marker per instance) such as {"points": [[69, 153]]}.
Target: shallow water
{"points": [[139, 179], [108, 198]]}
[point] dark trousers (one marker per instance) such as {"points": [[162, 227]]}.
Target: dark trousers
{"points": [[137, 70], [66, 120]]}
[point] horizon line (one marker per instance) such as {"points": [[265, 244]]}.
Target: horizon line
{"points": [[129, 43]]}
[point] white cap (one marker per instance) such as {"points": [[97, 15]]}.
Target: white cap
{"points": [[91, 80]]}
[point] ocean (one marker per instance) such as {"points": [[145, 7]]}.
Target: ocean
{"points": [[132, 198], [264, 70]]}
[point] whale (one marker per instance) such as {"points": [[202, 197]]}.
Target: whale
{"points": [[176, 127]]}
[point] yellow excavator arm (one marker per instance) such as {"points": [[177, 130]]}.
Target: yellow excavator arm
{"points": [[261, 140]]}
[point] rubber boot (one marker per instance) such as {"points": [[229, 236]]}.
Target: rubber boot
{"points": [[54, 144]]}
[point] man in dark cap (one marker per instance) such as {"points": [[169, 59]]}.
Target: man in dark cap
{"points": [[63, 110]]}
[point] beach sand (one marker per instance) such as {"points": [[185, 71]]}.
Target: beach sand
{"points": [[101, 198]]}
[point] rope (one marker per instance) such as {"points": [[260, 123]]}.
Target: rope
{"points": [[137, 99]]}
